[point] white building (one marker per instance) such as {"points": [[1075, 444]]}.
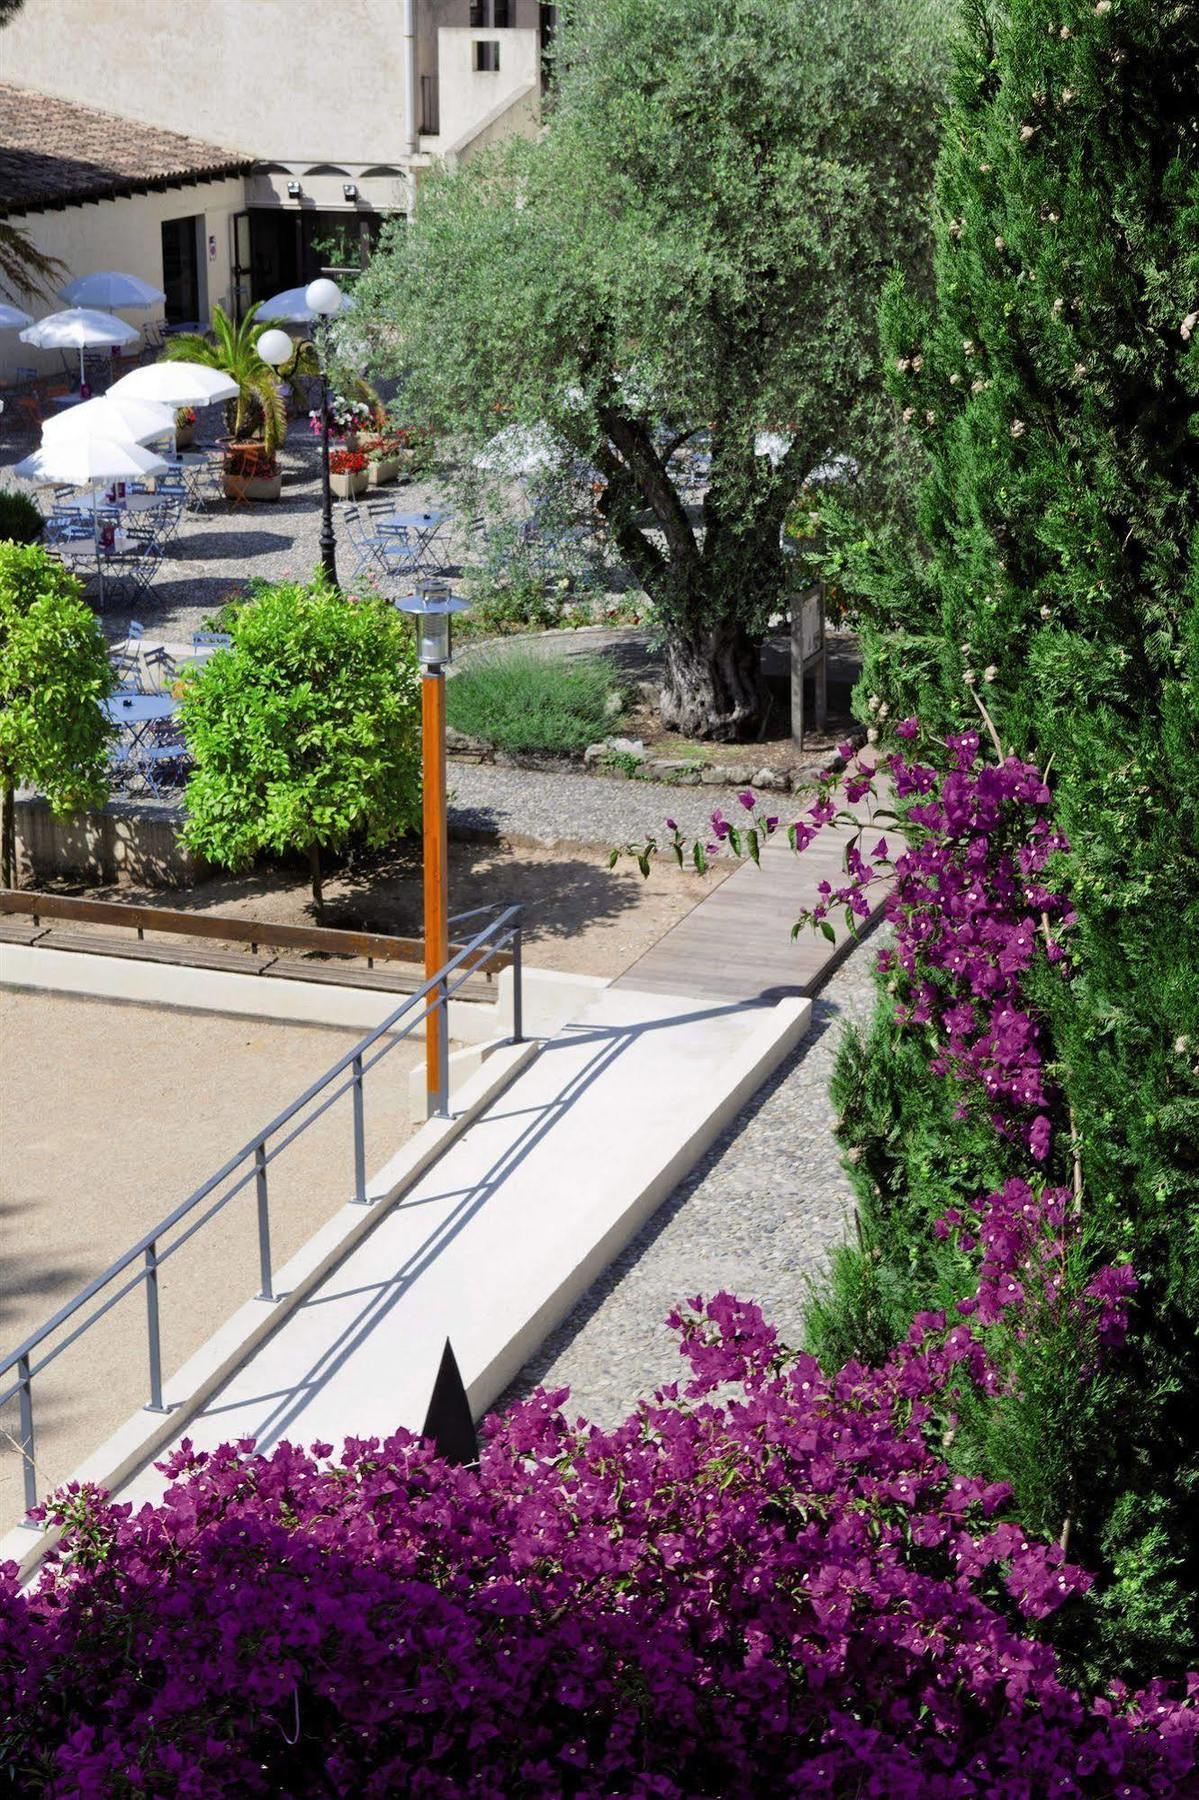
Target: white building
{"points": [[226, 149]]}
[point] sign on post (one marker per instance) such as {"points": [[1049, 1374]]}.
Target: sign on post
{"points": [[808, 653]]}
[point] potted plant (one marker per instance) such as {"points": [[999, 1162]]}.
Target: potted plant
{"points": [[382, 458], [257, 419], [347, 472], [252, 472], [185, 426]]}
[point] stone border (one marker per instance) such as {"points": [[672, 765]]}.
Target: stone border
{"points": [[623, 760]]}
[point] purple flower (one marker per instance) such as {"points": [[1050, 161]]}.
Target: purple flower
{"points": [[765, 1578], [747, 799]]}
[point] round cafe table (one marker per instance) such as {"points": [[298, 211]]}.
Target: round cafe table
{"points": [[130, 710], [130, 503], [423, 527]]}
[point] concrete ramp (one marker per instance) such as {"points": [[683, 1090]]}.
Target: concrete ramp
{"points": [[493, 1244]]}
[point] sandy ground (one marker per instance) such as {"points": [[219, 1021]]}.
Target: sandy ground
{"points": [[580, 915], [110, 1114]]}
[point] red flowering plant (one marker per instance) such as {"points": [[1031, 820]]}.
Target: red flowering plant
{"points": [[347, 462], [764, 1580]]}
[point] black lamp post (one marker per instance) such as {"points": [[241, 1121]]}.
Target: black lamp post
{"points": [[324, 299]]}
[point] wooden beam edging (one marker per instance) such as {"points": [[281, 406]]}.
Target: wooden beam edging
{"points": [[372, 944]]}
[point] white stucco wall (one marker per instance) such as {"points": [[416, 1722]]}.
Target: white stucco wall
{"points": [[293, 80], [127, 235], [470, 96]]}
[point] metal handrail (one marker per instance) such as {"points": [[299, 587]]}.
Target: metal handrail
{"points": [[434, 994]]}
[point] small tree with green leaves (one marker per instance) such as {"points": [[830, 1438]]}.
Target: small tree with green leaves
{"points": [[54, 675], [691, 250], [305, 732]]}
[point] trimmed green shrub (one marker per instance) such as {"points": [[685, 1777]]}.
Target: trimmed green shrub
{"points": [[54, 677], [20, 520], [520, 701], [305, 733]]}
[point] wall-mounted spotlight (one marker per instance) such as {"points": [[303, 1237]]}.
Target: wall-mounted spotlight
{"points": [[293, 190], [349, 190]]}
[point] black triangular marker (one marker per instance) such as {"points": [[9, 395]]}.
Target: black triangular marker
{"points": [[448, 1421]]}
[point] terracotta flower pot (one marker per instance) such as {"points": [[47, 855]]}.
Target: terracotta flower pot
{"points": [[184, 436]]}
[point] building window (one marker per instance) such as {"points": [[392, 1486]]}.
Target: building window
{"points": [[487, 57], [493, 14], [430, 106]]}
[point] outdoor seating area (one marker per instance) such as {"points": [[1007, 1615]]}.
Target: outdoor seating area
{"points": [[392, 545], [149, 754]]}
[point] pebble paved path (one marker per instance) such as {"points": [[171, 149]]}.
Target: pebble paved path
{"points": [[757, 1216], [553, 808]]}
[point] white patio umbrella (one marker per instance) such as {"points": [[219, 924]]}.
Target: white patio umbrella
{"points": [[109, 288], [78, 329], [518, 450], [175, 384], [86, 460], [115, 416], [772, 444], [11, 317], [291, 307]]}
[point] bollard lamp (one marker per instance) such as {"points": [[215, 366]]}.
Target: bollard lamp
{"points": [[433, 606]]}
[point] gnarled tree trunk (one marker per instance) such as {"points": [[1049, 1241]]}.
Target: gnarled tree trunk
{"points": [[708, 576], [714, 687]]}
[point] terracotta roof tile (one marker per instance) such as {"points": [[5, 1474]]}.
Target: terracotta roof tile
{"points": [[55, 153]]}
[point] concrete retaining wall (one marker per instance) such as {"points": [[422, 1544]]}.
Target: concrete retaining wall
{"points": [[549, 998]]}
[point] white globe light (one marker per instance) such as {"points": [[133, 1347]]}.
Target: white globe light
{"points": [[323, 296], [275, 347]]}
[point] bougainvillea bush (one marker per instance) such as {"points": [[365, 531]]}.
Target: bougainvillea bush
{"points": [[971, 1179], [763, 1581]]}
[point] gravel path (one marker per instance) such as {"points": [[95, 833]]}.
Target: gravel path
{"points": [[550, 807], [757, 1217], [215, 552]]}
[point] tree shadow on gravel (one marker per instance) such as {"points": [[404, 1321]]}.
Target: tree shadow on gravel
{"points": [[235, 541]]}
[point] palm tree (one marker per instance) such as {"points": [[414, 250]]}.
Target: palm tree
{"points": [[258, 409], [25, 269]]}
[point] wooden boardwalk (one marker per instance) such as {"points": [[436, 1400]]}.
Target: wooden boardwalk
{"points": [[737, 945]]}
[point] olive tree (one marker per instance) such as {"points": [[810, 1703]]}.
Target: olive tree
{"points": [[54, 677], [695, 244]]}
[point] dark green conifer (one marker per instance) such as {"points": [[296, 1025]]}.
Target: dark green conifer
{"points": [[1053, 381]]}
